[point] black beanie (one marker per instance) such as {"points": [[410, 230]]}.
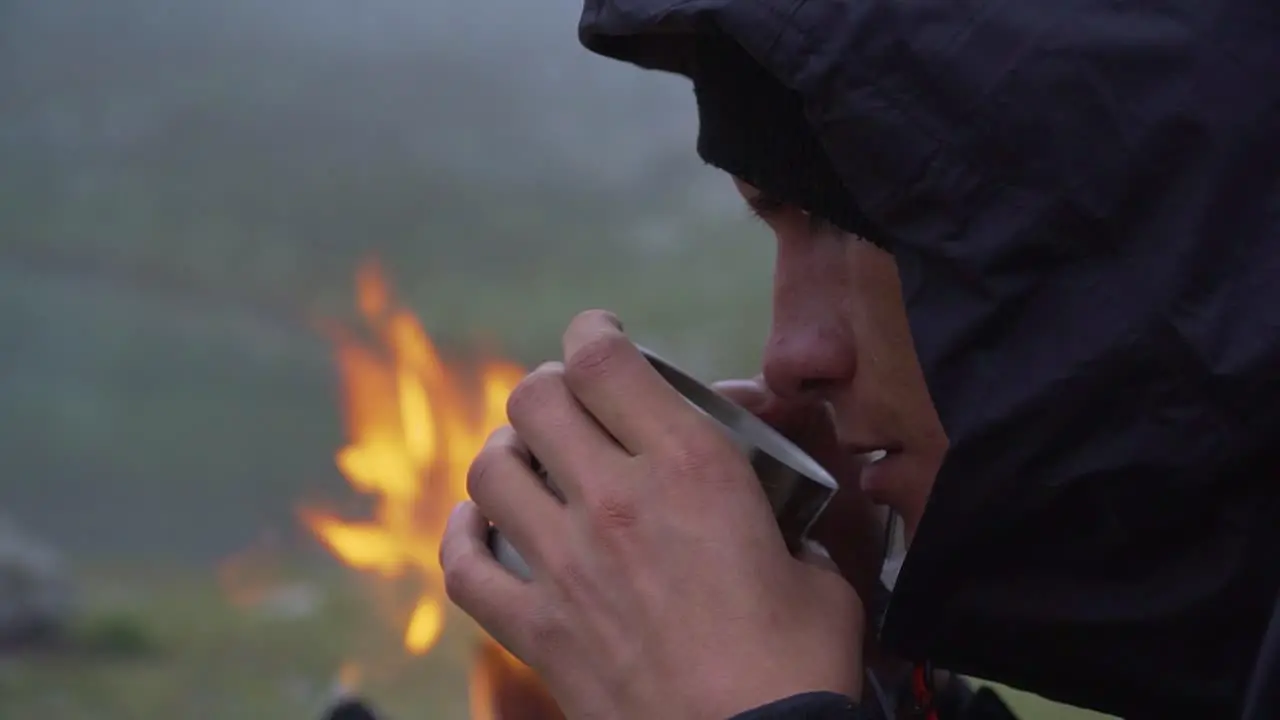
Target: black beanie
{"points": [[754, 127]]}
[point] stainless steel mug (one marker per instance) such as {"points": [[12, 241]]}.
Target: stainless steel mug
{"points": [[798, 487]]}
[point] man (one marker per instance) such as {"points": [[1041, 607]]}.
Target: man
{"points": [[1070, 212]]}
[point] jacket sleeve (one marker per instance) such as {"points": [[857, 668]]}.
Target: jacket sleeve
{"points": [[807, 706], [1263, 698], [982, 704]]}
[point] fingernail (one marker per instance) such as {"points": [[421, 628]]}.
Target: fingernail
{"points": [[745, 393], [613, 319], [816, 548]]}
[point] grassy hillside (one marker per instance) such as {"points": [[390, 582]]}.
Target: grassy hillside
{"points": [[170, 645]]}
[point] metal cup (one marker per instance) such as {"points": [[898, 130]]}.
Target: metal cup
{"points": [[798, 487]]}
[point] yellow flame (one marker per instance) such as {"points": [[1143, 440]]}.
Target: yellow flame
{"points": [[413, 429], [414, 423]]}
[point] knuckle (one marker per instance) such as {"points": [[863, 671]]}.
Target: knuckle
{"points": [[461, 580], [595, 317], [613, 513], [534, 390], [545, 630], [596, 359], [482, 470], [693, 459], [703, 460], [569, 576]]}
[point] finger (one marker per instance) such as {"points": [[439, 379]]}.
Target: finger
{"points": [[808, 424], [620, 388], [804, 422], [559, 432], [853, 531], [476, 583], [750, 395], [813, 553], [503, 484]]}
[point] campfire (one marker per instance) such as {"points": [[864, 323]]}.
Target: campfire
{"points": [[414, 423]]}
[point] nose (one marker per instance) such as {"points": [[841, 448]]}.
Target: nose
{"points": [[811, 351]]}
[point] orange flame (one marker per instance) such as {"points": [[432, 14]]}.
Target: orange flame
{"points": [[414, 424], [413, 430]]}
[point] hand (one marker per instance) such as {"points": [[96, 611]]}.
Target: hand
{"points": [[511, 689], [852, 527], [661, 586]]}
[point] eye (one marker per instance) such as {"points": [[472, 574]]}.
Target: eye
{"points": [[819, 225], [767, 207], [772, 210]]}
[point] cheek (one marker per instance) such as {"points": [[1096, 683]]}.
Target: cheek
{"points": [[876, 310]]}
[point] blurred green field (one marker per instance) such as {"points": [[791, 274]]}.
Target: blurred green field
{"points": [[197, 656], [172, 645]]}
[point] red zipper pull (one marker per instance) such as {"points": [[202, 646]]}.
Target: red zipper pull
{"points": [[922, 693]]}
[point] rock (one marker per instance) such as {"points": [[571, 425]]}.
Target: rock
{"points": [[36, 594], [350, 709]]}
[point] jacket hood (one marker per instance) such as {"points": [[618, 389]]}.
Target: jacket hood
{"points": [[1084, 202]]}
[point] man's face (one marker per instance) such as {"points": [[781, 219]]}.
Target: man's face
{"points": [[840, 336]]}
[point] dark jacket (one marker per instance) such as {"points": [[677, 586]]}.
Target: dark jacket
{"points": [[1083, 197], [980, 705]]}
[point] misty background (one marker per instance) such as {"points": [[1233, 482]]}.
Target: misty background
{"points": [[186, 186]]}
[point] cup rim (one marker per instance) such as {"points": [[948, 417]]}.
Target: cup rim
{"points": [[739, 421]]}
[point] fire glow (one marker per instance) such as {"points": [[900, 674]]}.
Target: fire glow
{"points": [[414, 423]]}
